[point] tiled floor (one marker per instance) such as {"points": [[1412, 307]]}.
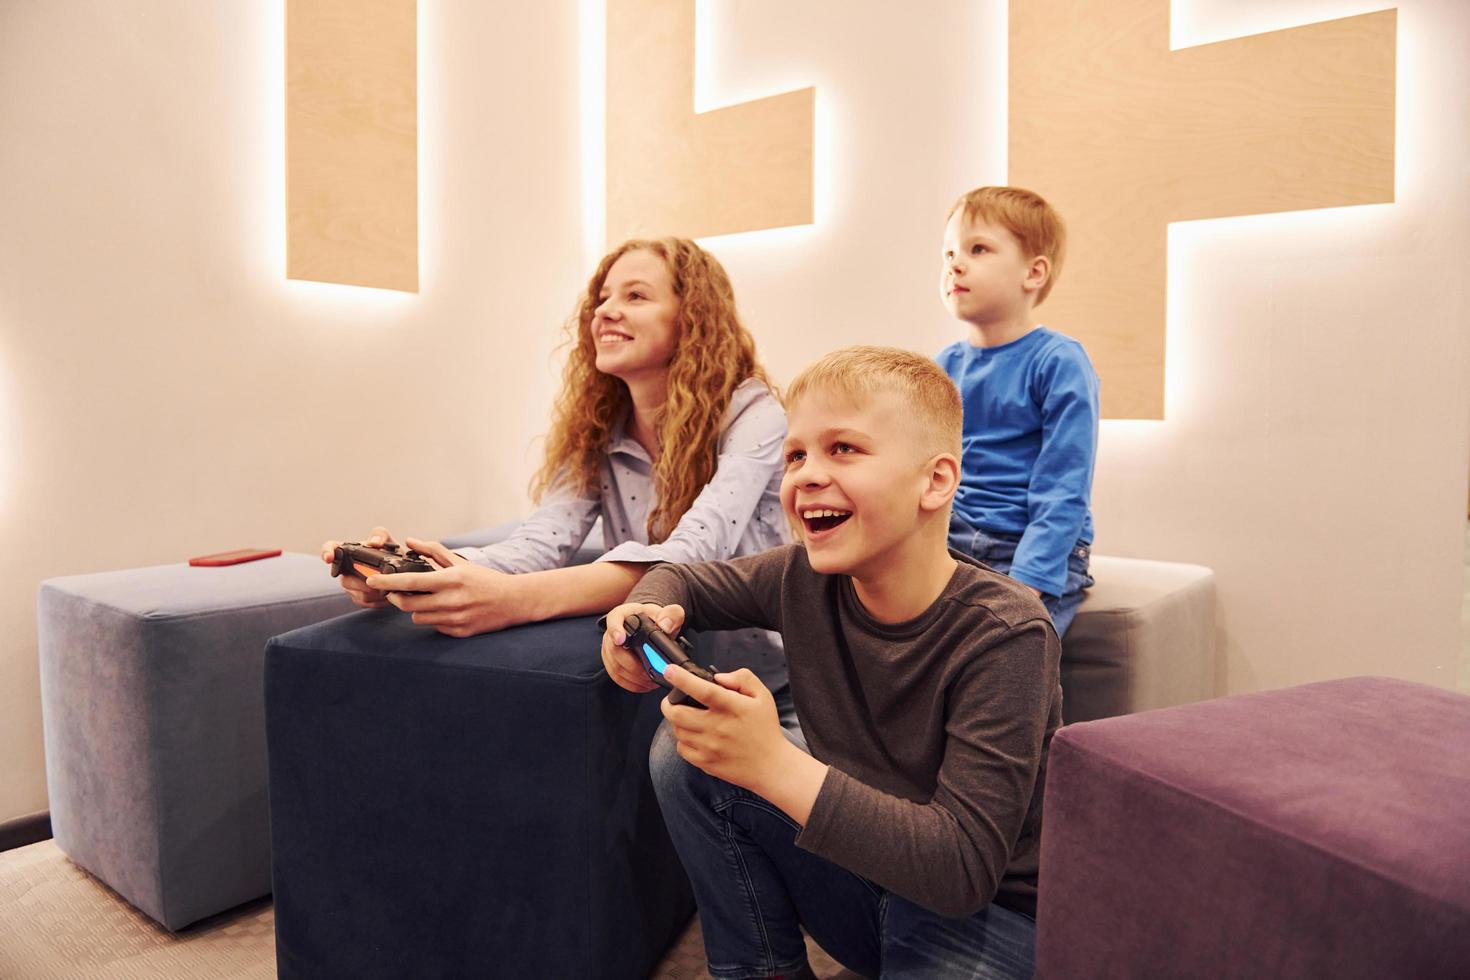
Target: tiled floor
{"points": [[59, 923]]}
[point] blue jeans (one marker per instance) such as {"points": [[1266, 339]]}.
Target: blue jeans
{"points": [[998, 551], [756, 889]]}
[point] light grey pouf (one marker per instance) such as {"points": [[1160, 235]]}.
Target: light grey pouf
{"points": [[154, 714], [1144, 637]]}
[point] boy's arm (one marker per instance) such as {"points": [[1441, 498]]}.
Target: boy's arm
{"points": [[1061, 479], [950, 854], [721, 595]]}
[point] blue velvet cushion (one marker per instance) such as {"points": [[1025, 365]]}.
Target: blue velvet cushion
{"points": [[463, 807]]}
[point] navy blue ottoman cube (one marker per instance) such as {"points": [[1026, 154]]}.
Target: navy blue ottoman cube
{"points": [[463, 807]]}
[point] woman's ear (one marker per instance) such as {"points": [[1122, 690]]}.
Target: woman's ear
{"points": [[944, 480]]}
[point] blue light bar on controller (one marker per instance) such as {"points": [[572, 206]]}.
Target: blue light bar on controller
{"points": [[659, 664]]}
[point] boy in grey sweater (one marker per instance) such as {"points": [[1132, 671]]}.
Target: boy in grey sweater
{"points": [[901, 826]]}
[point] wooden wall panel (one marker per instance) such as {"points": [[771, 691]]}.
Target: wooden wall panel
{"points": [[671, 172], [1124, 136], [352, 142]]}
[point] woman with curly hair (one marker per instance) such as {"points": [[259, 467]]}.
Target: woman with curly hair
{"points": [[666, 428]]}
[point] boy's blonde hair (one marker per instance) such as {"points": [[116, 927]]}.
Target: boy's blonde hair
{"points": [[1025, 214], [930, 397]]}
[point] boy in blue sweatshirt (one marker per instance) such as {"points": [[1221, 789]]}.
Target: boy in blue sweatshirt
{"points": [[1030, 400]]}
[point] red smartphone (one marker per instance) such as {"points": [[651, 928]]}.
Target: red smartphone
{"points": [[234, 557]]}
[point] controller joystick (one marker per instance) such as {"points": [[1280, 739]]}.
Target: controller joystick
{"points": [[360, 560], [656, 651]]}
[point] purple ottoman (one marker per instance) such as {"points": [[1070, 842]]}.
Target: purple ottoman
{"points": [[1318, 831]]}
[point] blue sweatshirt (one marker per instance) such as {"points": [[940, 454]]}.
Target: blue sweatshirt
{"points": [[1030, 438]]}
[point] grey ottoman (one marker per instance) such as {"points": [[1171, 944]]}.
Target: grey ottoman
{"points": [[1144, 637], [153, 706]]}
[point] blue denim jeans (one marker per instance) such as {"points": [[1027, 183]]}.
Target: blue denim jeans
{"points": [[756, 889], [999, 550]]}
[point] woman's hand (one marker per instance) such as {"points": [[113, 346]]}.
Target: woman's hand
{"points": [[460, 598], [357, 589], [623, 666]]}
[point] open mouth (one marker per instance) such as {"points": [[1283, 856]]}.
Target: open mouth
{"points": [[612, 337], [821, 520]]}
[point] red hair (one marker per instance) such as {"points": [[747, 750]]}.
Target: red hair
{"points": [[713, 354]]}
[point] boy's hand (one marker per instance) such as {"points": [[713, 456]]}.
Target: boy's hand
{"points": [[623, 666], [738, 739], [461, 598]]}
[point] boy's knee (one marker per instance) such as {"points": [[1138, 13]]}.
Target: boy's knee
{"points": [[669, 770], [681, 786]]}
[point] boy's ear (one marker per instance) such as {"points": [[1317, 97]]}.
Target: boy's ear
{"points": [[1037, 273], [944, 480]]}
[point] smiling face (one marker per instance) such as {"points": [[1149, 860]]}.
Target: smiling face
{"points": [[986, 276], [856, 481], [635, 328]]}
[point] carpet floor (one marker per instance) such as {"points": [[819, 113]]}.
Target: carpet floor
{"points": [[57, 922]]}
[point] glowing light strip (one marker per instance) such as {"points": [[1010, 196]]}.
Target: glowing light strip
{"points": [[704, 58], [359, 300], [994, 62], [431, 127], [1188, 241], [1192, 22], [273, 145], [7, 433], [592, 97], [708, 97]]}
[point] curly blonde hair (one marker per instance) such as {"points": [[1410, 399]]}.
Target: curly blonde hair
{"points": [[713, 354]]}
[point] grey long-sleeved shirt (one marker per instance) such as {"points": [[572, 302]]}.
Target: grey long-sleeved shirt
{"points": [[935, 730], [737, 513]]}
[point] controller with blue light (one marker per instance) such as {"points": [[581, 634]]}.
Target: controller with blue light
{"points": [[656, 651]]}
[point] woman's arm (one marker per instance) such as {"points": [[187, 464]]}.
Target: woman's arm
{"points": [[579, 590], [750, 455], [549, 537], [465, 599], [468, 598], [738, 493]]}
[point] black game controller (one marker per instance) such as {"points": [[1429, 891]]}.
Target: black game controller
{"points": [[656, 651], [352, 558]]}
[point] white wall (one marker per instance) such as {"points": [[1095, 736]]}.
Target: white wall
{"points": [[1317, 438], [164, 392]]}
